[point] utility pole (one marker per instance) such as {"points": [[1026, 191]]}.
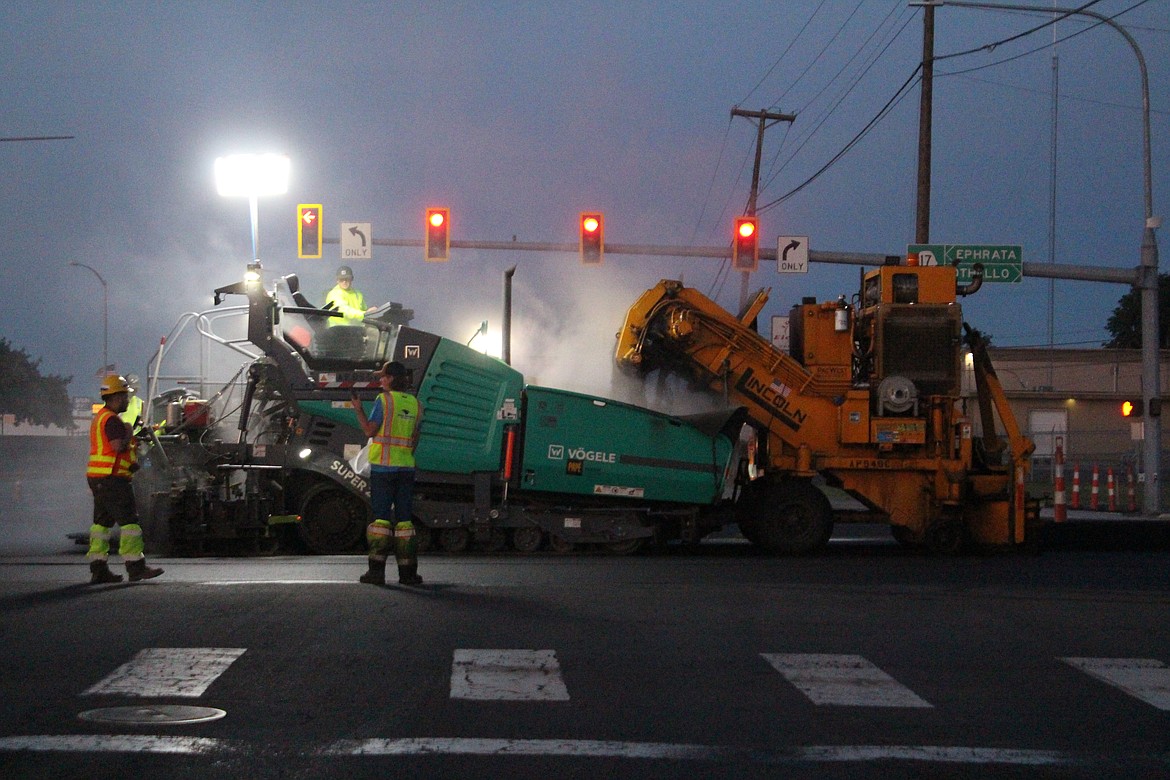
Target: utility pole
{"points": [[1147, 269], [925, 111], [765, 117]]}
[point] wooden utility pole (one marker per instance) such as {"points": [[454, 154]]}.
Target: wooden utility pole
{"points": [[925, 110], [765, 118]]}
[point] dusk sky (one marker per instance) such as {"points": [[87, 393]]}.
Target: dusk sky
{"points": [[518, 116]]}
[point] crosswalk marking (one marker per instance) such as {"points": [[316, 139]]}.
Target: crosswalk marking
{"points": [[1145, 678], [515, 675], [535, 675], [843, 680], [167, 671]]}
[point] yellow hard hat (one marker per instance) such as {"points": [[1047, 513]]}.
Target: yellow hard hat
{"points": [[114, 384]]}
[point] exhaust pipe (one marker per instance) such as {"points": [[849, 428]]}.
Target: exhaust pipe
{"points": [[975, 283], [506, 336]]}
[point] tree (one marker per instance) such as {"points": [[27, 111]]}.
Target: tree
{"points": [[1125, 324], [30, 397]]}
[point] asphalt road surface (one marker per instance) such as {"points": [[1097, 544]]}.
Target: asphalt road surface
{"points": [[868, 661]]}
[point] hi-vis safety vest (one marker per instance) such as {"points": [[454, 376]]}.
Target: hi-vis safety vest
{"points": [[391, 444], [104, 460], [351, 303]]}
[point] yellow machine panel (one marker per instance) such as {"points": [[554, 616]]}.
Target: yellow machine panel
{"points": [[855, 418], [909, 284]]}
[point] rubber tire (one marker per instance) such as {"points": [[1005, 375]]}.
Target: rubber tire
{"points": [[528, 539], [333, 520], [792, 517]]}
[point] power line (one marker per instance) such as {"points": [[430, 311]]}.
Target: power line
{"points": [[991, 46], [783, 54], [820, 54], [1064, 95], [772, 170], [901, 93], [1017, 36], [38, 138], [821, 120]]}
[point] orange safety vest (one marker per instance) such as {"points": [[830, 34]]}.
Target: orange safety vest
{"points": [[392, 444], [104, 460]]}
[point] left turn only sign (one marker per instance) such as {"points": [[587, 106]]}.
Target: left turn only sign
{"points": [[356, 240]]}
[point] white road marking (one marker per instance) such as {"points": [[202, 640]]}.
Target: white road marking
{"points": [[1145, 678], [167, 671], [578, 748], [229, 583], [514, 675], [673, 752], [112, 743], [843, 680], [517, 747]]}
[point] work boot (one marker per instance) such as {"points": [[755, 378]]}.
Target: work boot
{"points": [[376, 575], [408, 574], [100, 574], [138, 570]]}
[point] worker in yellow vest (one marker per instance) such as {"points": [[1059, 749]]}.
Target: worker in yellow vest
{"points": [[113, 459], [134, 414], [347, 299], [393, 427]]}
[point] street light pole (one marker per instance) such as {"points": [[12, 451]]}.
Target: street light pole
{"points": [[105, 316], [1148, 266]]}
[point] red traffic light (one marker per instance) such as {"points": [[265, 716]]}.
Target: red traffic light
{"points": [[437, 234], [309, 230], [592, 237], [745, 244]]}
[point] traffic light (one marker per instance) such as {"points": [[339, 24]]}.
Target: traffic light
{"points": [[745, 244], [1132, 408], [592, 237], [309, 230], [437, 228]]}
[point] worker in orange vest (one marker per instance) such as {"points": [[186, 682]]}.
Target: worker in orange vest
{"points": [[113, 459]]}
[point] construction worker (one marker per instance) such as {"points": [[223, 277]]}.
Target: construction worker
{"points": [[134, 408], [113, 459], [347, 299], [393, 428]]}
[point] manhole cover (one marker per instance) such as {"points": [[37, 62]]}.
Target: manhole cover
{"points": [[158, 714]]}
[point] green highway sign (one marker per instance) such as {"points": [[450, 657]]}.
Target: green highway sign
{"points": [[1000, 263]]}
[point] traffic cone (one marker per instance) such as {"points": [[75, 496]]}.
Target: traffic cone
{"points": [[1059, 509], [1075, 501], [1095, 489]]}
